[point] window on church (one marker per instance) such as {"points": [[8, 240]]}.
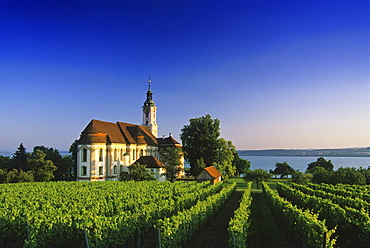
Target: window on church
{"points": [[100, 155], [121, 168], [115, 154], [115, 169], [100, 170], [83, 171], [84, 155], [141, 153]]}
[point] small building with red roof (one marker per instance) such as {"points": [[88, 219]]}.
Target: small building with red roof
{"points": [[209, 173]]}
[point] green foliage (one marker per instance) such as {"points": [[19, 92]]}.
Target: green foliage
{"points": [[304, 228], [42, 169], [241, 165], [283, 169], [19, 160], [178, 228], [300, 177], [257, 176], [239, 224], [73, 151], [19, 176], [349, 175], [225, 157], [138, 172], [200, 140], [171, 158], [349, 216], [321, 162], [57, 213], [63, 163], [4, 162]]}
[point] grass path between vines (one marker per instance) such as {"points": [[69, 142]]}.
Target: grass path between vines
{"points": [[263, 230], [214, 234]]}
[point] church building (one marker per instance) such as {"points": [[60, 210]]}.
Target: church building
{"points": [[107, 149]]}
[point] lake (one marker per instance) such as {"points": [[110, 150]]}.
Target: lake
{"points": [[300, 163]]}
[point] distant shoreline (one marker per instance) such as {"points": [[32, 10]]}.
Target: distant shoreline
{"points": [[344, 152]]}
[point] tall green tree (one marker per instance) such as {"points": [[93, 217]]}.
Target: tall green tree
{"points": [[19, 160], [73, 151], [203, 146], [171, 158], [241, 165], [200, 140], [4, 162], [43, 170], [321, 162], [257, 176], [225, 157], [283, 169]]}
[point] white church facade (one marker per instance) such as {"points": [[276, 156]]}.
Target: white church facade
{"points": [[107, 149]]}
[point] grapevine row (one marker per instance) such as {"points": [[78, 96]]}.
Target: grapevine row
{"points": [[176, 229], [44, 214], [353, 226], [342, 201], [239, 224], [349, 191], [303, 228]]}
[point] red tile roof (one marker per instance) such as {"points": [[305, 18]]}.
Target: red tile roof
{"points": [[120, 132], [150, 162], [213, 172]]}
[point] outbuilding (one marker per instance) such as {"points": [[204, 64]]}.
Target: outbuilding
{"points": [[209, 173]]}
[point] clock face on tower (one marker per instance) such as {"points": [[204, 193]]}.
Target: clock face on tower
{"points": [[146, 109]]}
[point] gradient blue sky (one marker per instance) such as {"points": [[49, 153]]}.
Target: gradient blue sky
{"points": [[278, 74]]}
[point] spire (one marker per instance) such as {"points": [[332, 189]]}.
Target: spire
{"points": [[149, 81]]}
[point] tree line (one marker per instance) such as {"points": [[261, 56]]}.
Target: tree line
{"points": [[42, 164], [320, 171]]}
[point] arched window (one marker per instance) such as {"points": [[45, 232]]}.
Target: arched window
{"points": [[115, 169], [134, 154], [121, 168], [115, 154], [83, 171], [84, 155], [100, 155], [141, 153], [100, 170], [121, 154]]}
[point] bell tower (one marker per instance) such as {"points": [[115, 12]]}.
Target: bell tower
{"points": [[150, 112]]}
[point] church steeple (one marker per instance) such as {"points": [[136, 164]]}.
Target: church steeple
{"points": [[149, 112]]}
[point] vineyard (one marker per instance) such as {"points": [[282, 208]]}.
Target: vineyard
{"points": [[115, 214]]}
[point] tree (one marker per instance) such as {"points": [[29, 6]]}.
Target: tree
{"points": [[73, 151], [4, 162], [347, 175], [257, 176], [171, 158], [54, 155], [200, 140], [241, 165], [19, 176], [300, 177], [321, 162], [138, 172], [19, 160], [42, 169], [224, 160], [283, 169], [322, 175]]}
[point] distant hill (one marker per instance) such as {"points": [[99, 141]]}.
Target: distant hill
{"points": [[344, 152]]}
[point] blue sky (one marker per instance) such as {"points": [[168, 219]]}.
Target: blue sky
{"points": [[278, 74]]}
